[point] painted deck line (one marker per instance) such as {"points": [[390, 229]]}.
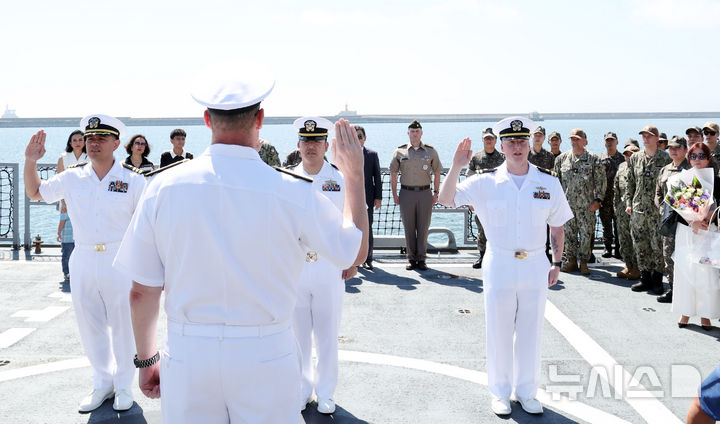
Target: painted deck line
{"points": [[13, 335], [40, 315], [67, 364], [649, 407], [574, 408]]}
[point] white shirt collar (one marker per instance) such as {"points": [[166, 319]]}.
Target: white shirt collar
{"points": [[503, 175], [231, 150]]}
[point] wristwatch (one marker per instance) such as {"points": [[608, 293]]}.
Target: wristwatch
{"points": [[146, 362], [557, 264]]}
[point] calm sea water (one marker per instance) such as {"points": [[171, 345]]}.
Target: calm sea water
{"points": [[383, 138]]}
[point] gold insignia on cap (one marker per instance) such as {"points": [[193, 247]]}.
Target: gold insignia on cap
{"points": [[516, 125], [310, 125], [93, 122]]}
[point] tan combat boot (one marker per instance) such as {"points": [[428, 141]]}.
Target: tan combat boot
{"points": [[623, 273], [584, 268], [634, 273], [570, 265]]}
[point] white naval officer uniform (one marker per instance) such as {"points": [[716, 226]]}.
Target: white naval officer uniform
{"points": [[100, 211], [320, 299], [231, 283], [514, 220]]}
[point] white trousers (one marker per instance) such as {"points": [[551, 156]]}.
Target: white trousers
{"points": [[220, 379], [317, 316], [515, 294], [101, 298]]}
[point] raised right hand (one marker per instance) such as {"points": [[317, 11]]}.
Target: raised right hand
{"points": [[463, 154], [346, 150], [36, 147]]}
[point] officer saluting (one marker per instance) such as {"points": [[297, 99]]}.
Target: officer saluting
{"points": [[321, 288], [514, 203], [101, 197], [231, 283]]}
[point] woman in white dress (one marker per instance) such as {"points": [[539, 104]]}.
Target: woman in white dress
{"points": [[74, 153], [696, 287]]}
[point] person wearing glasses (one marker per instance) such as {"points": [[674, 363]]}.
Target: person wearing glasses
{"points": [[101, 197], [373, 189], [138, 149], [710, 131], [643, 170]]}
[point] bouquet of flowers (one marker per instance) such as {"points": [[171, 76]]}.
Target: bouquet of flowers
{"points": [[690, 193]]}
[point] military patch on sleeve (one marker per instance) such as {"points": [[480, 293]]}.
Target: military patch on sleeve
{"points": [[288, 172], [164, 168], [78, 165], [132, 168]]}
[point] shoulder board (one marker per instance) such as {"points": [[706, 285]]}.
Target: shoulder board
{"points": [[164, 168], [427, 145], [333, 165], [547, 171], [288, 172], [485, 171], [131, 168], [402, 145], [78, 165]]}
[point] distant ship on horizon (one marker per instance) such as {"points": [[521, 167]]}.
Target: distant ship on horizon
{"points": [[9, 113]]}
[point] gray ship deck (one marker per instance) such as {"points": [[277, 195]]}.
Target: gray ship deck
{"points": [[412, 350]]}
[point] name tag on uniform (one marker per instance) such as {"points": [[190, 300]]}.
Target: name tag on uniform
{"points": [[118, 186], [541, 193], [330, 185]]}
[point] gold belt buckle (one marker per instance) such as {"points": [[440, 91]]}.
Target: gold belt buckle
{"points": [[311, 257], [99, 247], [521, 254]]}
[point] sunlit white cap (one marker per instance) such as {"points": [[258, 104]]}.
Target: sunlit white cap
{"points": [[514, 127], [311, 127], [103, 124], [234, 86]]}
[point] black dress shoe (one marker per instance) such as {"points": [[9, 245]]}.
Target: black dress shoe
{"points": [[666, 297], [707, 327], [410, 266], [607, 254], [478, 263], [421, 266], [369, 266], [682, 324]]}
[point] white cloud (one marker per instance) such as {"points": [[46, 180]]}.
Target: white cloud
{"points": [[676, 14]]}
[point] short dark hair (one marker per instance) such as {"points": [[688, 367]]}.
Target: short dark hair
{"points": [[235, 118], [68, 147], [358, 128], [128, 146], [178, 132]]}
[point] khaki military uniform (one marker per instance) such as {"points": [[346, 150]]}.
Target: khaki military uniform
{"points": [[621, 217], [645, 219], [269, 155], [541, 159], [607, 210], [481, 161], [583, 180], [668, 243], [416, 167]]}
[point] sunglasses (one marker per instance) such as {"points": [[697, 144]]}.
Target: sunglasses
{"points": [[139, 144], [697, 156], [709, 132]]}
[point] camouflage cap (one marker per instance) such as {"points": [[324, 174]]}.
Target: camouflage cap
{"points": [[610, 135], [713, 126], [631, 148], [695, 129], [577, 132], [555, 134], [632, 142], [540, 130], [650, 129], [677, 141], [663, 137], [488, 132]]}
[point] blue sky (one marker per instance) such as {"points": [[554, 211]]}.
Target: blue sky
{"points": [[138, 58]]}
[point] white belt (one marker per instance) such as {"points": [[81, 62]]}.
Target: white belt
{"points": [[101, 247], [226, 331], [517, 254]]}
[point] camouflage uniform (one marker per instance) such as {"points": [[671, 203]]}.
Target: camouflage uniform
{"points": [[480, 161], [621, 217], [668, 243], [645, 219], [583, 180], [607, 215], [541, 159], [268, 154], [292, 159]]}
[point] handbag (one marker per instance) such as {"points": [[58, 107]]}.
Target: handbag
{"points": [[668, 221]]}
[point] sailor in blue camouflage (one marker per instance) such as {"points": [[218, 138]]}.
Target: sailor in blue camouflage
{"points": [[623, 219], [611, 160], [487, 158], [268, 154]]}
